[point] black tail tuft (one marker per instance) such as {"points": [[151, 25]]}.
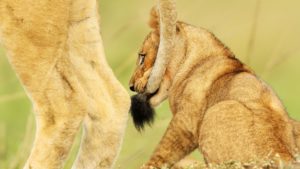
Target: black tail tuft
{"points": [[141, 111]]}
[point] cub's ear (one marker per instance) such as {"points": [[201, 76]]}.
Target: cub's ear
{"points": [[154, 19]]}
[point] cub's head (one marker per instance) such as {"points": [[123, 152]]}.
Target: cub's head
{"points": [[144, 63], [146, 56], [141, 110]]}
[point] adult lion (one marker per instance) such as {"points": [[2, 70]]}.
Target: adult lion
{"points": [[56, 50]]}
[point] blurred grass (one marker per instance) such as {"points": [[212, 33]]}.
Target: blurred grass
{"points": [[275, 56]]}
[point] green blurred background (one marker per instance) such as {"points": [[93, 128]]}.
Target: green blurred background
{"points": [[263, 33]]}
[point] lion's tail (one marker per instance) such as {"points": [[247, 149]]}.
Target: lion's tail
{"points": [[141, 111], [166, 19]]}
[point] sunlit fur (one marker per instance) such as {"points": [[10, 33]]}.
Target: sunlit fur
{"points": [[56, 50], [219, 105], [167, 30]]}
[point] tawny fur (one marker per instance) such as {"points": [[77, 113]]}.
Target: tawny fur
{"points": [[56, 50], [167, 30], [219, 105]]}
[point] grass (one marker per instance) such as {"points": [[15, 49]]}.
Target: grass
{"points": [[274, 52]]}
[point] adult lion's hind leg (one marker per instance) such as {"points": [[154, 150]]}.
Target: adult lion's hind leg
{"points": [[35, 35], [64, 71], [58, 120], [105, 122], [103, 134]]}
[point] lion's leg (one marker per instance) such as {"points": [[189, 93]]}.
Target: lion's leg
{"points": [[103, 134], [106, 120], [177, 142], [187, 162], [60, 109], [105, 123], [64, 71], [232, 132], [296, 132], [35, 34]]}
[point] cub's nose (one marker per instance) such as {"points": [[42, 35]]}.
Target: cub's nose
{"points": [[131, 87]]}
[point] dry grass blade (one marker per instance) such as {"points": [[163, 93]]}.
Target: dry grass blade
{"points": [[124, 28], [122, 67], [11, 97], [253, 32], [2, 144], [277, 61], [21, 156]]}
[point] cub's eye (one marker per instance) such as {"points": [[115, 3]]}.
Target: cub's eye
{"points": [[141, 58]]}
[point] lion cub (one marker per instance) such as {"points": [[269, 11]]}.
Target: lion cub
{"points": [[219, 105]]}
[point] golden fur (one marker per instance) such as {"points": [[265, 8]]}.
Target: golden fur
{"points": [[167, 30], [56, 50], [219, 105]]}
